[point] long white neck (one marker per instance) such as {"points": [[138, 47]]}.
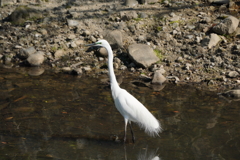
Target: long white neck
{"points": [[112, 76]]}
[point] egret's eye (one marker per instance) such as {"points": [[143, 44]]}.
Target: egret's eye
{"points": [[98, 42]]}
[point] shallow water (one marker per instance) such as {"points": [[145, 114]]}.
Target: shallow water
{"points": [[65, 117]]}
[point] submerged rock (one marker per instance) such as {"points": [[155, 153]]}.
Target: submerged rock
{"points": [[234, 93], [36, 71]]}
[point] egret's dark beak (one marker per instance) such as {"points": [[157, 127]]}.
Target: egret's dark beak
{"points": [[93, 44]]}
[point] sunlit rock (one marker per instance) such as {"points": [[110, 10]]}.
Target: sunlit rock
{"points": [[59, 53], [114, 38], [158, 78], [36, 59], [142, 55], [24, 53], [227, 26]]}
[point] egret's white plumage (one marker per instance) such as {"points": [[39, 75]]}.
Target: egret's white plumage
{"points": [[131, 109]]}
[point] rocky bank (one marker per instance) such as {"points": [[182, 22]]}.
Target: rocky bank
{"points": [[187, 41]]}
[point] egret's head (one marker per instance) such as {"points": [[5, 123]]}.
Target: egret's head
{"points": [[102, 43]]}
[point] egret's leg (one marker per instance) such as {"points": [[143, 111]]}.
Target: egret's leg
{"points": [[125, 129], [133, 137]]}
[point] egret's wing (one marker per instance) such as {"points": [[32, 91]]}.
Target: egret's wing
{"points": [[129, 106]]}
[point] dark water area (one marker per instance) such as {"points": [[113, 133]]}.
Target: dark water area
{"points": [[64, 117]]}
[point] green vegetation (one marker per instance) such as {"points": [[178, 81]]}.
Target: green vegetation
{"points": [[53, 49], [159, 28], [192, 21], [137, 19], [175, 22], [159, 54]]}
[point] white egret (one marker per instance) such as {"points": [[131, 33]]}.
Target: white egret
{"points": [[131, 109]]}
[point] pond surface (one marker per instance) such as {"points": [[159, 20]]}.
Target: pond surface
{"points": [[64, 117]]}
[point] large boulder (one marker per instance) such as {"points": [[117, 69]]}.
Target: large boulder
{"points": [[24, 13], [227, 26], [128, 15], [114, 38], [36, 59], [24, 53], [142, 55]]}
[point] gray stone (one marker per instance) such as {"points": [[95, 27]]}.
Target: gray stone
{"points": [[93, 39], [79, 42], [174, 17], [179, 59], [205, 41], [73, 44], [114, 38], [175, 79], [77, 71], [165, 36], [227, 26], [128, 15], [86, 33], [66, 69], [143, 15], [158, 78], [87, 68], [24, 53], [214, 40], [36, 59], [71, 36], [235, 93], [103, 52], [142, 55], [7, 2], [233, 74], [187, 66], [219, 1], [207, 19], [59, 53], [44, 31], [131, 3], [72, 23]]}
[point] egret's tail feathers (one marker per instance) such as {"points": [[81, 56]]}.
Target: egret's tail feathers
{"points": [[151, 126], [152, 130]]}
